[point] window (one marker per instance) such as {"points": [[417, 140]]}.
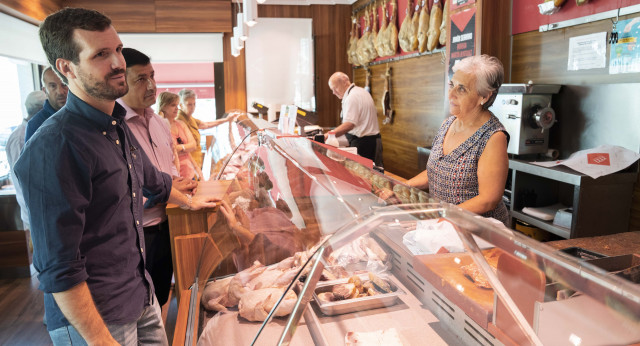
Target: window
{"points": [[17, 82]]}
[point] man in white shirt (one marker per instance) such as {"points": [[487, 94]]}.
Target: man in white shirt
{"points": [[33, 103], [359, 117]]}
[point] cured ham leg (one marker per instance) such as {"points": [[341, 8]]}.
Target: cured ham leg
{"points": [[434, 25], [443, 27], [406, 34], [383, 30], [371, 46], [386, 98], [352, 39], [363, 56], [423, 27], [391, 42], [353, 46], [415, 22]]}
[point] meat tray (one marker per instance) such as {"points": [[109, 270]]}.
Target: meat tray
{"points": [[355, 304]]}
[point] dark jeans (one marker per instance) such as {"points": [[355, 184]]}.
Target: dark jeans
{"points": [[159, 264], [366, 145]]}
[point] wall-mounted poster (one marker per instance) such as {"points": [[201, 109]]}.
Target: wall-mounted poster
{"points": [[463, 36], [459, 3], [625, 55]]}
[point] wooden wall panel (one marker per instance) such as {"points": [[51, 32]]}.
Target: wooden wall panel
{"points": [[542, 57], [32, 11], [193, 16], [126, 16], [417, 97], [163, 15], [235, 77], [495, 32], [331, 24]]}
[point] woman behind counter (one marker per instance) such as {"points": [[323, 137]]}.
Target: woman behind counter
{"points": [[183, 141], [185, 114], [468, 163]]}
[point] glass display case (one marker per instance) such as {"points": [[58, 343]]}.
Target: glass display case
{"points": [[311, 247]]}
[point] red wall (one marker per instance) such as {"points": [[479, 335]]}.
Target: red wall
{"points": [[186, 73], [526, 16]]}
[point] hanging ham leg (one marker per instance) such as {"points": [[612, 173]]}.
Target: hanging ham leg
{"points": [[423, 27], [443, 27], [435, 21], [383, 30], [371, 45], [415, 22], [386, 98], [392, 30], [363, 57], [406, 33], [352, 39]]}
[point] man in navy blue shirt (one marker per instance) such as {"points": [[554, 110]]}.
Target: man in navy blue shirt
{"points": [[56, 98], [84, 177]]}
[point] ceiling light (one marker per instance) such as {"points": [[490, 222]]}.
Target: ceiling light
{"points": [[234, 47], [243, 29], [236, 36], [250, 10]]}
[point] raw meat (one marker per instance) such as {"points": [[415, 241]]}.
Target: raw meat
{"points": [[256, 305], [216, 295]]}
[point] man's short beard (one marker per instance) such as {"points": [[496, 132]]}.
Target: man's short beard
{"points": [[102, 90]]}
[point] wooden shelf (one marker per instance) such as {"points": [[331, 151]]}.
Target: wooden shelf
{"points": [[545, 225]]}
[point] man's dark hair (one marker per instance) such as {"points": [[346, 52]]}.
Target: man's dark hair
{"points": [[56, 33], [135, 57]]}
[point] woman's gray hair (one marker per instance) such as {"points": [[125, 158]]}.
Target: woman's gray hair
{"points": [[489, 75], [186, 94]]}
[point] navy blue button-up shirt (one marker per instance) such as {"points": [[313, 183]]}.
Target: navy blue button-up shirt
{"points": [[84, 175], [32, 126]]}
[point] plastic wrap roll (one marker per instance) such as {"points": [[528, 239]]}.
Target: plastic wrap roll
{"points": [[552, 154]]}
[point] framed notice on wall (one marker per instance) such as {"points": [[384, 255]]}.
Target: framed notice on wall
{"points": [[463, 36]]}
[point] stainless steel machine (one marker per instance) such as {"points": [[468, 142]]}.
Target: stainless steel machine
{"points": [[525, 111]]}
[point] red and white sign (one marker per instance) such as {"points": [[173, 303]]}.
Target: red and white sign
{"points": [[599, 159]]}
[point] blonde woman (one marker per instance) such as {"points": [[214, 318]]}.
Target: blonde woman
{"points": [[183, 140], [185, 114]]}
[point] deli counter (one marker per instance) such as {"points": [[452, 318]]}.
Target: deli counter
{"points": [[321, 249]]}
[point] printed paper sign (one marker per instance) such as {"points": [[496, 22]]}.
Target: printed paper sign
{"points": [[596, 162], [625, 55], [462, 38], [588, 52]]}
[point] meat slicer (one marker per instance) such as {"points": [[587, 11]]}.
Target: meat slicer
{"points": [[525, 111]]}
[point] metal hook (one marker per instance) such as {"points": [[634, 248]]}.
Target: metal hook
{"points": [[613, 39]]}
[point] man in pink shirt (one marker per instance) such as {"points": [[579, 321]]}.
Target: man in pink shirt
{"points": [[153, 134]]}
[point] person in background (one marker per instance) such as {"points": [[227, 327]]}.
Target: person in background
{"points": [[152, 132], [84, 180], [56, 98], [468, 162], [34, 103], [359, 117], [182, 138], [185, 114]]}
